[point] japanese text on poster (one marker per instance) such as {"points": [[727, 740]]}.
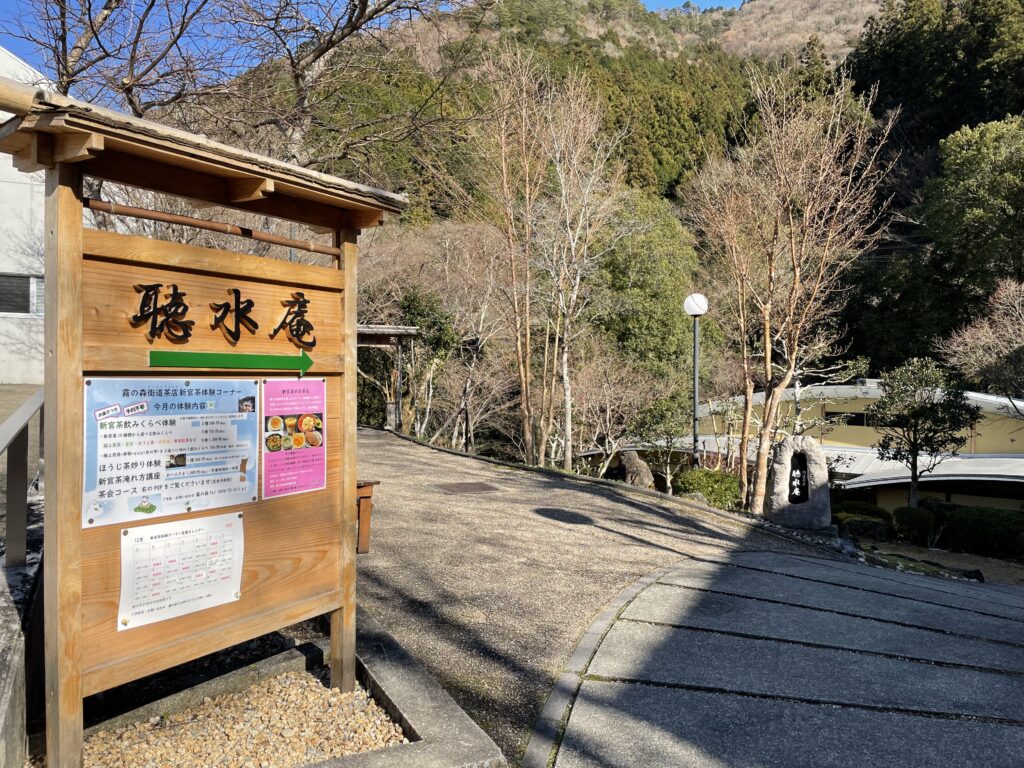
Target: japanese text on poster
{"points": [[156, 447], [171, 569], [294, 436]]}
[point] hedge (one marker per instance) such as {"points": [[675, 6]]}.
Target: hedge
{"points": [[986, 531], [916, 525], [983, 531]]}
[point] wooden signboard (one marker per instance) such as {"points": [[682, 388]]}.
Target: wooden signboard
{"points": [[293, 546], [200, 412]]}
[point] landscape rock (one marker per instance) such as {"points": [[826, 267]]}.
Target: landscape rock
{"points": [[637, 471]]}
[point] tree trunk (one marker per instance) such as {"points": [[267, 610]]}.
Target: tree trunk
{"points": [[567, 406], [914, 477], [744, 448], [773, 398]]}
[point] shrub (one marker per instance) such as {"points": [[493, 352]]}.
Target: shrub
{"points": [[862, 509], [721, 489], [916, 526], [985, 531], [865, 526]]}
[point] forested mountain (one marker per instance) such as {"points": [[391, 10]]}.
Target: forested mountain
{"points": [[761, 28], [954, 71]]}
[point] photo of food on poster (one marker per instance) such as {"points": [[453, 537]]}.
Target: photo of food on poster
{"points": [[156, 447], [294, 436]]}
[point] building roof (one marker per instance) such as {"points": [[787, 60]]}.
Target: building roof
{"points": [[384, 335], [135, 151], [18, 69], [1002, 469], [853, 467], [871, 389]]}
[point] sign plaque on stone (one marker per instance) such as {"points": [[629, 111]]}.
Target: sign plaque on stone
{"points": [[798, 483]]}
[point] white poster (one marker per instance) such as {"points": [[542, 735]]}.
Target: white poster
{"points": [[172, 569]]}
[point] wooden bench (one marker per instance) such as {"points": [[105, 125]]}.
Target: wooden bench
{"points": [[364, 503]]}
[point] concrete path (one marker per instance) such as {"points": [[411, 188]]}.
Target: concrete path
{"points": [[492, 588], [771, 659]]}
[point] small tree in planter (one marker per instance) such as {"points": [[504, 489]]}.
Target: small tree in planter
{"points": [[922, 418]]}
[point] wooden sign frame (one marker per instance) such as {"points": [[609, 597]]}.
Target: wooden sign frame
{"points": [[290, 573]]}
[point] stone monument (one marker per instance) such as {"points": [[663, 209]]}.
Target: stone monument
{"points": [[798, 482]]}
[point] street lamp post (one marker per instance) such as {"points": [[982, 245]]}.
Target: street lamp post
{"points": [[695, 305]]}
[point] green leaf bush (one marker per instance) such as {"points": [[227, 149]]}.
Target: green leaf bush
{"points": [[721, 489], [915, 525], [985, 531]]}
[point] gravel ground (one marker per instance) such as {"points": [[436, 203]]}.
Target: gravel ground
{"points": [[492, 591], [290, 720]]}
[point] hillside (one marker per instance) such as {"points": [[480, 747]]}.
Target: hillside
{"points": [[768, 27], [764, 28]]}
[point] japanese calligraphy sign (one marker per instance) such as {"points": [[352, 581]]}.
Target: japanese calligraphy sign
{"points": [[156, 447], [149, 315], [174, 439], [170, 532]]}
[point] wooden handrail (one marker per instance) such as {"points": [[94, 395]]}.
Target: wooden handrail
{"points": [[14, 441], [18, 420]]}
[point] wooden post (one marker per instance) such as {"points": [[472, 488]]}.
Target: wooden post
{"points": [[343, 620], [63, 426], [17, 498]]}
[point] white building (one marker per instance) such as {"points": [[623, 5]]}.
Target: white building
{"points": [[21, 256]]}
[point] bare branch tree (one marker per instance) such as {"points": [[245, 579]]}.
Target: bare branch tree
{"points": [[990, 351], [785, 218], [304, 89], [612, 397], [579, 223], [136, 57]]}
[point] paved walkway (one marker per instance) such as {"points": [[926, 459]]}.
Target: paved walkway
{"points": [[765, 659], [747, 651], [492, 589]]}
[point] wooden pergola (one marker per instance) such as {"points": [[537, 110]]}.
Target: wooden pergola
{"points": [[385, 337], [296, 565]]}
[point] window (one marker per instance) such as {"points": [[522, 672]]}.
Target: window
{"points": [[21, 295], [849, 418]]}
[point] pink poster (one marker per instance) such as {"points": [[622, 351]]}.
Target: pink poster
{"points": [[294, 436]]}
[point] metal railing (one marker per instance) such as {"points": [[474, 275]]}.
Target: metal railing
{"points": [[14, 442]]}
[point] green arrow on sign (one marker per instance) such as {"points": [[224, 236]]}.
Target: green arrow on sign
{"points": [[176, 359]]}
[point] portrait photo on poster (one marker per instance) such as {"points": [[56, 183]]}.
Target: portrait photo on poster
{"points": [[294, 436]]}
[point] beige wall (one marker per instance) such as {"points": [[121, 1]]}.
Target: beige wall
{"points": [[994, 433], [890, 497]]}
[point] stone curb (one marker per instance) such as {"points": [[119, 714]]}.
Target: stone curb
{"points": [[20, 598], [543, 745], [445, 735], [802, 537], [13, 736]]}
